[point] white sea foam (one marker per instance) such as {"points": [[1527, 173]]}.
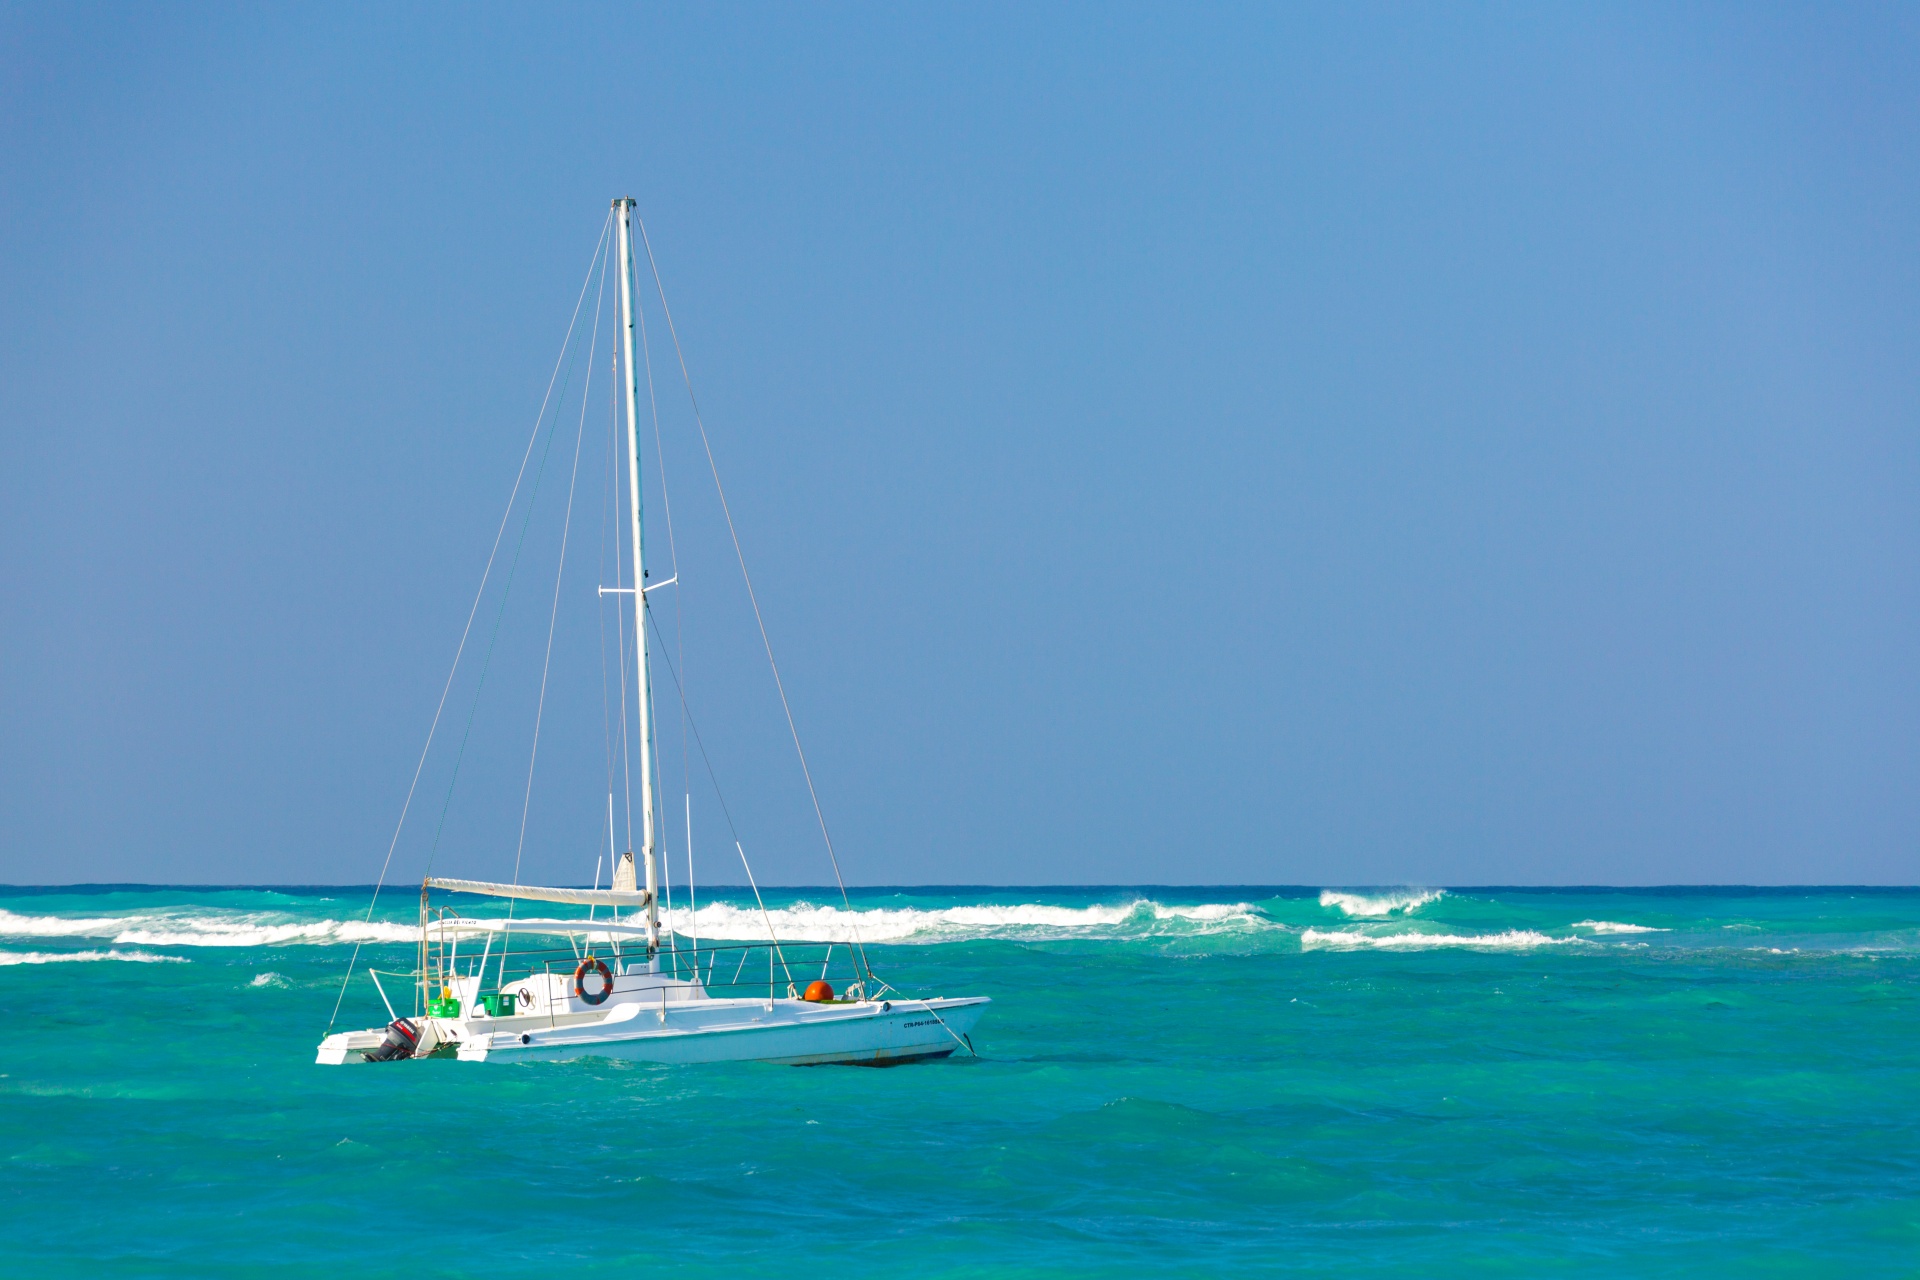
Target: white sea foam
{"points": [[233, 929], [269, 979], [18, 926], [805, 922], [242, 933], [1399, 903], [719, 921], [1614, 926], [1510, 940], [67, 957]]}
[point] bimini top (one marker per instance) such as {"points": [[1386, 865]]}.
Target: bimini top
{"points": [[534, 893]]}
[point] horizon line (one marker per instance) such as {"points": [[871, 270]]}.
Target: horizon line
{"points": [[1275, 889]]}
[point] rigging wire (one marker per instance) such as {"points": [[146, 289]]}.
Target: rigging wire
{"points": [[740, 555], [620, 633], [666, 877], [606, 512], [467, 630], [679, 636], [513, 569], [553, 616], [720, 795]]}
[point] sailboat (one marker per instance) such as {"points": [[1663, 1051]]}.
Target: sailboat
{"points": [[508, 988]]}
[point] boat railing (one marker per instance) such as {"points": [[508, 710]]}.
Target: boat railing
{"points": [[738, 970]]}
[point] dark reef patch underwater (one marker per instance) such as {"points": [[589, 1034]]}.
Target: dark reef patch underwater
{"points": [[1699, 1082]]}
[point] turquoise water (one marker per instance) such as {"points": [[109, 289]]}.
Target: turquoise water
{"points": [[1176, 1082]]}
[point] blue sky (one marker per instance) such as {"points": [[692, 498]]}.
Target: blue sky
{"points": [[1263, 445]]}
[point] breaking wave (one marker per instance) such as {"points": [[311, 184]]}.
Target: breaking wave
{"points": [[67, 957], [1403, 902], [805, 922], [719, 921], [238, 929], [1510, 940], [1614, 926]]}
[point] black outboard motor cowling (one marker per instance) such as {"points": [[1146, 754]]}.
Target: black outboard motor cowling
{"points": [[402, 1037]]}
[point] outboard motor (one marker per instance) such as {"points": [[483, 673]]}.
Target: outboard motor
{"points": [[402, 1038]]}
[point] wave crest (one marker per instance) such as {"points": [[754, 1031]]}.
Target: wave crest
{"points": [[805, 922], [68, 957], [166, 929], [719, 921], [1509, 940], [1398, 903]]}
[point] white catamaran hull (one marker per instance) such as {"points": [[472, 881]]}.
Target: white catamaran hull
{"points": [[780, 1031]]}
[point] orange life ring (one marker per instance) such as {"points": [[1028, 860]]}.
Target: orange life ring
{"points": [[591, 965]]}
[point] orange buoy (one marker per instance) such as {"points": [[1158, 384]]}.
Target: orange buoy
{"points": [[819, 991], [601, 991]]}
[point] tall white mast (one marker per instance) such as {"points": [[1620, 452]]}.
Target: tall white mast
{"points": [[624, 207]]}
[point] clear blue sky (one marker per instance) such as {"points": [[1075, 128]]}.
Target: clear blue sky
{"points": [[1275, 444]]}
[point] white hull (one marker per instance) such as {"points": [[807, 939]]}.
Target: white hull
{"points": [[781, 1031]]}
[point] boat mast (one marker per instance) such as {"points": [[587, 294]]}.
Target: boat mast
{"points": [[623, 206]]}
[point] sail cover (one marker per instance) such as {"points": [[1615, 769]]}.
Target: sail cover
{"points": [[534, 893]]}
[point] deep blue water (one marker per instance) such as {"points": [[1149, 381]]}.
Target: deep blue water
{"points": [[1170, 1082]]}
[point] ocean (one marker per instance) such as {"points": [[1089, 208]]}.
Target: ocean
{"points": [[1170, 1082]]}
